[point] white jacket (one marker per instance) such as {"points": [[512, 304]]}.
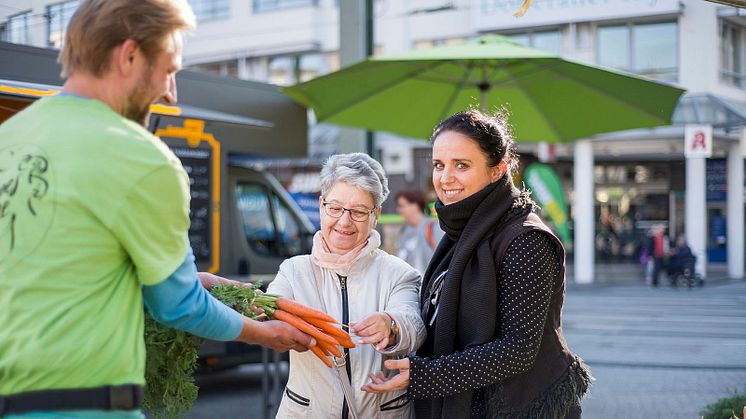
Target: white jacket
{"points": [[376, 282]]}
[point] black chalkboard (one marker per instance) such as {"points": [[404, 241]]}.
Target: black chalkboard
{"points": [[198, 164]]}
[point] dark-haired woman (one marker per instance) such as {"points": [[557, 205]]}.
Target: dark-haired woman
{"points": [[492, 295]]}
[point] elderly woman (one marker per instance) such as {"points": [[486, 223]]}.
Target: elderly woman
{"points": [[349, 277], [492, 295]]}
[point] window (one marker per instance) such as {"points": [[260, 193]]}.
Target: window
{"points": [[224, 68], [269, 225], [733, 54], [439, 42], [285, 70], [18, 29], [282, 71], [58, 16], [521, 38], [649, 49], [547, 41], [253, 205], [206, 10], [310, 66], [614, 47], [288, 228], [269, 5]]}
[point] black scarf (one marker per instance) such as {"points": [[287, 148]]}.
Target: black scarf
{"points": [[467, 312]]}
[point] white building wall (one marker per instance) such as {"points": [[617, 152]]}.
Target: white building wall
{"points": [[699, 50], [247, 34], [399, 25], [38, 20]]}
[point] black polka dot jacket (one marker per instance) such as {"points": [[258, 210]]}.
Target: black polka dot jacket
{"points": [[527, 370]]}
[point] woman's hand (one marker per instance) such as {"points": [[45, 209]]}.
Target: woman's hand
{"points": [[375, 330], [400, 381]]}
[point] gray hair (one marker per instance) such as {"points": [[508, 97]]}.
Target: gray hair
{"points": [[357, 169]]}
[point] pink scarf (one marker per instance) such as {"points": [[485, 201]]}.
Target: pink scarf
{"points": [[323, 257]]}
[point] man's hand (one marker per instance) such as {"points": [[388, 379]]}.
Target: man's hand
{"points": [[400, 381], [275, 335], [374, 329], [209, 280]]}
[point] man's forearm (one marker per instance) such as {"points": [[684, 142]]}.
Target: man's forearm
{"points": [[180, 301]]}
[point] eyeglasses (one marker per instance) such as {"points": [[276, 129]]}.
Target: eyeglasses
{"points": [[336, 211]]}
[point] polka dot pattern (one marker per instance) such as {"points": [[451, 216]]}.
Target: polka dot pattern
{"points": [[528, 274]]}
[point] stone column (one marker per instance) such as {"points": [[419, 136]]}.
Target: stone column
{"points": [[735, 209], [584, 216], [695, 219]]}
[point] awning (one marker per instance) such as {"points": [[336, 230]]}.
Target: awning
{"points": [[34, 91], [705, 108]]}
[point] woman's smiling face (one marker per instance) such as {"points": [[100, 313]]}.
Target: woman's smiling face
{"points": [[344, 234], [460, 167]]}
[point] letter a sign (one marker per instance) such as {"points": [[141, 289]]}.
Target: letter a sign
{"points": [[698, 141]]}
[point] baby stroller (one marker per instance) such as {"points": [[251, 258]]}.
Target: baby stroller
{"points": [[682, 272]]}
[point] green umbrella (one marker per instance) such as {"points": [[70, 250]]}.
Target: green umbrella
{"points": [[549, 98]]}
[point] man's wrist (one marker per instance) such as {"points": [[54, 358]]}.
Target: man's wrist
{"points": [[248, 331]]}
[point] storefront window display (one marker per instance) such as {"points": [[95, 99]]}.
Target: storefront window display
{"points": [[630, 198]]}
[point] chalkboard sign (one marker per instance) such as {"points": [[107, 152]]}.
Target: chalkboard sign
{"points": [[198, 164]]}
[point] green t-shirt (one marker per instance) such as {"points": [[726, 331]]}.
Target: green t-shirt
{"points": [[92, 207]]}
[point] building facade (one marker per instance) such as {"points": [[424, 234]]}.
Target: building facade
{"points": [[619, 184]]}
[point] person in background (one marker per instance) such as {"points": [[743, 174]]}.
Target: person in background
{"points": [[681, 255], [492, 295], [420, 234], [349, 277], [94, 219], [658, 249], [646, 258]]}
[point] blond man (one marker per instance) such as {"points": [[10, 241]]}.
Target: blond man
{"points": [[94, 213]]}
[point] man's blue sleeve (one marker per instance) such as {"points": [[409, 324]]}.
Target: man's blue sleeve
{"points": [[182, 303]]}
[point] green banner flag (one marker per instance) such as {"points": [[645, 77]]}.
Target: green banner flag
{"points": [[547, 190]]}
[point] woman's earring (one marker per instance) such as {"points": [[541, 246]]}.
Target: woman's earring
{"points": [[502, 168]]}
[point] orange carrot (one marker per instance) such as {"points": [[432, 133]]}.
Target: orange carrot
{"points": [[327, 327], [323, 349], [303, 326], [300, 310], [331, 349], [319, 353], [345, 343]]}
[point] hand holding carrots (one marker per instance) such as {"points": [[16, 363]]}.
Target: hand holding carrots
{"points": [[292, 326], [322, 327], [275, 335], [375, 330]]}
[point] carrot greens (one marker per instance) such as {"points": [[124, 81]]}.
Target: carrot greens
{"points": [[171, 358]]}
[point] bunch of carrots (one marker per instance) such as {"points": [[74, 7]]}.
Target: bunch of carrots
{"points": [[315, 323]]}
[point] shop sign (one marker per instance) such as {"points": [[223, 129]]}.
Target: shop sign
{"points": [[547, 190], [498, 14], [698, 141]]}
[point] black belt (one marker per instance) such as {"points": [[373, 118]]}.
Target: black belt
{"points": [[123, 397]]}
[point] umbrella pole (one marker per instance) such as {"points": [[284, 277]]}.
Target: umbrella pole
{"points": [[484, 88]]}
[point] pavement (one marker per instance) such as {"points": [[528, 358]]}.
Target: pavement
{"points": [[655, 353], [658, 352]]}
